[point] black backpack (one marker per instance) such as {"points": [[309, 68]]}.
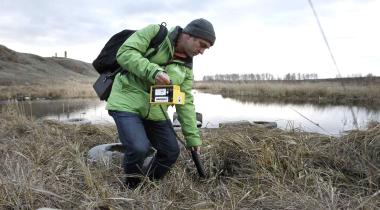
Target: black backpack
{"points": [[106, 65]]}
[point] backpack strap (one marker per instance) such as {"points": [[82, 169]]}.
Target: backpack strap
{"points": [[158, 39]]}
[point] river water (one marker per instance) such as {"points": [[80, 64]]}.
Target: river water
{"points": [[215, 109]]}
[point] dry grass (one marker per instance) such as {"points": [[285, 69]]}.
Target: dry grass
{"points": [[44, 165], [50, 90], [314, 92]]}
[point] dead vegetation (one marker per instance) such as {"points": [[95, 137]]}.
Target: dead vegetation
{"points": [[50, 90], [44, 165], [361, 92]]}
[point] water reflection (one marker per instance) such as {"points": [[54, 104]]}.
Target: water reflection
{"points": [[64, 109], [216, 109], [330, 119], [321, 104]]}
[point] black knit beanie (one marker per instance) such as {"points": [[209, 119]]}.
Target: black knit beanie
{"points": [[201, 28]]}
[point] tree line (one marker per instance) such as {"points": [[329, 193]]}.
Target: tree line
{"points": [[259, 77]]}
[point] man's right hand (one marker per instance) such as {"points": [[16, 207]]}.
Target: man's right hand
{"points": [[162, 78]]}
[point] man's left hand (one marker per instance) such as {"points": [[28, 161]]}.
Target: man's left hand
{"points": [[162, 78]]}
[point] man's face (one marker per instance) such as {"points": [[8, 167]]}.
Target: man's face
{"points": [[195, 46]]}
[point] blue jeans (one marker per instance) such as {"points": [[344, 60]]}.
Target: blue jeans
{"points": [[138, 135]]}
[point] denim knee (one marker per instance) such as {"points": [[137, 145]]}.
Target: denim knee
{"points": [[173, 158], [136, 152], [174, 154], [170, 155]]}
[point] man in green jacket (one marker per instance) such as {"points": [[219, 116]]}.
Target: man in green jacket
{"points": [[142, 125]]}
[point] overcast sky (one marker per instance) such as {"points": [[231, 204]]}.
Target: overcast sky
{"points": [[252, 36]]}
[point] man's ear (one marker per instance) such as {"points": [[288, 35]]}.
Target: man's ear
{"points": [[186, 36]]}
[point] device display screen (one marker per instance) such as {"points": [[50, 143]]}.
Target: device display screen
{"points": [[160, 92]]}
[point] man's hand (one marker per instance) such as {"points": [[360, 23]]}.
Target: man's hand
{"points": [[162, 78]]}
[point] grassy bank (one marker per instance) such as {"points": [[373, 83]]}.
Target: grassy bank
{"points": [[44, 165], [49, 90], [324, 92]]}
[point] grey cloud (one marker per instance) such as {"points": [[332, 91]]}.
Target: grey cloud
{"points": [[71, 21], [28, 22]]}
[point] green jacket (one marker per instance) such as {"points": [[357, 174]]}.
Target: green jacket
{"points": [[130, 90]]}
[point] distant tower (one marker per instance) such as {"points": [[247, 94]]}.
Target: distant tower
{"points": [[65, 54], [55, 55]]}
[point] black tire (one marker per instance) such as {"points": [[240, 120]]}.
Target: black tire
{"points": [[266, 124], [198, 116]]}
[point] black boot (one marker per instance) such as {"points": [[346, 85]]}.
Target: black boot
{"points": [[132, 182]]}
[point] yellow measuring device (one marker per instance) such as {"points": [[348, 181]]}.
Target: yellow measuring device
{"points": [[166, 94]]}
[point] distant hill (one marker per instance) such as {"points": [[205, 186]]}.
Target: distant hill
{"points": [[22, 68]]}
